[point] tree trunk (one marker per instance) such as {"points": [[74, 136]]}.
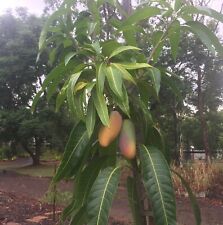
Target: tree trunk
{"points": [[35, 157], [203, 122]]}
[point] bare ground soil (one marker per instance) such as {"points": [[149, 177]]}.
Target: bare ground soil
{"points": [[20, 203]]}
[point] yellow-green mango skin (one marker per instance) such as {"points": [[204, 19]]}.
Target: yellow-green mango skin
{"points": [[127, 140], [107, 134]]}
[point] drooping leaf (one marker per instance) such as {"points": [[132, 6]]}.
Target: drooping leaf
{"points": [[206, 36], [193, 200], [141, 14], [68, 57], [158, 184], [101, 196], [70, 94], [101, 107], [155, 77], [86, 180], [122, 49], [123, 103], [73, 153], [114, 77], [61, 96], [202, 10], [48, 23], [158, 43], [125, 74], [60, 75], [91, 117], [101, 71], [80, 217], [174, 38], [134, 202], [177, 5]]}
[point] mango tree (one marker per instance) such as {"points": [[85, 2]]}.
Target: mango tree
{"points": [[109, 84]]}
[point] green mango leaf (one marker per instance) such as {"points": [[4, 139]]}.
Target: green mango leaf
{"points": [[158, 43], [100, 73], [73, 153], [206, 36], [114, 77], [155, 77], [101, 107], [60, 76], [123, 104], [202, 10], [101, 196], [48, 23], [70, 94], [177, 5], [91, 117], [141, 14], [133, 65], [86, 180], [121, 49], [61, 97], [134, 201], [109, 46], [125, 74], [80, 217], [194, 203], [52, 79], [158, 184], [69, 56], [174, 38]]}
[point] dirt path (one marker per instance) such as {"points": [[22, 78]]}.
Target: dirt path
{"points": [[28, 190]]}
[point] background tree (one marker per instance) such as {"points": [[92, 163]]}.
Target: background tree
{"points": [[20, 78]]}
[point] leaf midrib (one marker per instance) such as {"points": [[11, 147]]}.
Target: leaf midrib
{"points": [[103, 196], [160, 193]]}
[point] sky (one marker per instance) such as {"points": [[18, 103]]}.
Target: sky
{"points": [[34, 6], [37, 6]]}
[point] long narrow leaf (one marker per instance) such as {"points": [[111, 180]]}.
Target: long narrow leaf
{"points": [[174, 37], [125, 74], [206, 36], [91, 117], [114, 77], [70, 94], [122, 49], [202, 10], [74, 151], [101, 107], [155, 76], [101, 196], [158, 184]]}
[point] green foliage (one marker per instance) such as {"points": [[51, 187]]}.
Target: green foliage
{"points": [[156, 175], [97, 74]]}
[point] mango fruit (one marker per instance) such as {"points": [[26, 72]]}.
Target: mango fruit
{"points": [[127, 140], [107, 134]]}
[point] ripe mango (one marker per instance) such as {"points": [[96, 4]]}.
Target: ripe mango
{"points": [[108, 134], [127, 141]]}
